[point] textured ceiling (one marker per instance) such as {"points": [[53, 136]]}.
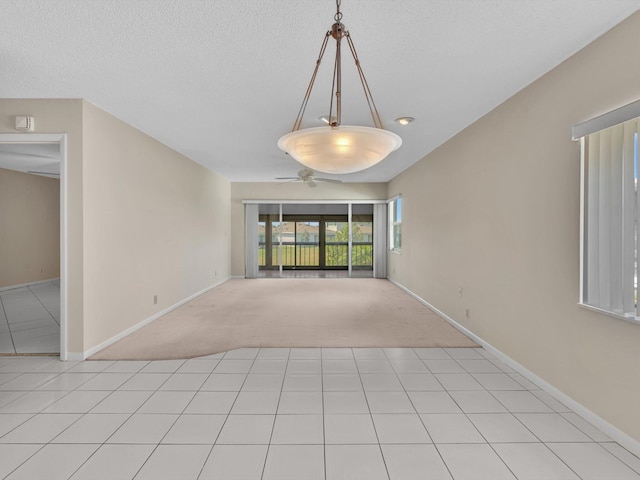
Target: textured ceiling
{"points": [[221, 80]]}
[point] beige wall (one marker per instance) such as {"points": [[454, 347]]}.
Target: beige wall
{"points": [[155, 223], [496, 211], [61, 116], [289, 191], [143, 220], [29, 228]]}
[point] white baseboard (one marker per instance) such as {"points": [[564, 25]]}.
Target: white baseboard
{"points": [[74, 357], [612, 431], [138, 326], [30, 284]]}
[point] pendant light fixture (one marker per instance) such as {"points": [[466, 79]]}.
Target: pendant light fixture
{"points": [[338, 148]]}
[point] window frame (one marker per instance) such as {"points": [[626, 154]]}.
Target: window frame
{"points": [[615, 163], [395, 221]]}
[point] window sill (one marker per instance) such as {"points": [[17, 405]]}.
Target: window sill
{"points": [[631, 319], [397, 252]]}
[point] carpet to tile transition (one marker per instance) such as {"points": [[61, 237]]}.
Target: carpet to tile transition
{"points": [[289, 312]]}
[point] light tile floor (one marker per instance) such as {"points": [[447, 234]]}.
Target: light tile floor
{"points": [[303, 414], [30, 319]]}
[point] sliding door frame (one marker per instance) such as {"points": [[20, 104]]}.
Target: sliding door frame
{"points": [[349, 204]]}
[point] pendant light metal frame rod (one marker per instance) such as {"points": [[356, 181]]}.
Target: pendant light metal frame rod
{"points": [[377, 121], [336, 86], [305, 100], [338, 31]]}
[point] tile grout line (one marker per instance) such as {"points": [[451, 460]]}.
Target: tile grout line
{"points": [[477, 429], [324, 433], [26, 460], [514, 416], [246, 376], [420, 417], [121, 425], [13, 332], [366, 399], [43, 305], [130, 415], [634, 469], [172, 424], [275, 415], [486, 442], [56, 436], [545, 444], [223, 423], [4, 310], [485, 389]]}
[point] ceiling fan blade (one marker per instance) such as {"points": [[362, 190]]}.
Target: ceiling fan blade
{"points": [[43, 173], [287, 178], [330, 180], [311, 183]]}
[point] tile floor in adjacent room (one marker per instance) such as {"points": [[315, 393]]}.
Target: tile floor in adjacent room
{"points": [[30, 319], [300, 414]]}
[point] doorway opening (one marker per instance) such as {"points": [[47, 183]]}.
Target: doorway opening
{"points": [[33, 283]]}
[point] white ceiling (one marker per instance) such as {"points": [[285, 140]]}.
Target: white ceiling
{"points": [[221, 80], [36, 158]]}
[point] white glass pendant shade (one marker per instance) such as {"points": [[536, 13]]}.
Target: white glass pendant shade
{"points": [[342, 149]]}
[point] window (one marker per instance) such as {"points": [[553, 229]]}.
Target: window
{"points": [[395, 224], [610, 235]]}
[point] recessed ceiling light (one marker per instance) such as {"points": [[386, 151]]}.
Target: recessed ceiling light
{"points": [[404, 120]]}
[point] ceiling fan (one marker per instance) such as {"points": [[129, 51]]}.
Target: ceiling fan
{"points": [[307, 176]]}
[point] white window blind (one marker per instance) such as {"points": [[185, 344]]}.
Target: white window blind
{"points": [[610, 221]]}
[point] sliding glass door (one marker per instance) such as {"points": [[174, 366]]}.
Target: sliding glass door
{"points": [[336, 244], [314, 242], [300, 244], [362, 242]]}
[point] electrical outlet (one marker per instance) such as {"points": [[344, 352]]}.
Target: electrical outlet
{"points": [[460, 291], [155, 299]]}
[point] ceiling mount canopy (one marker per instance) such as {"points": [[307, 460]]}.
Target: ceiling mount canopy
{"points": [[338, 148]]}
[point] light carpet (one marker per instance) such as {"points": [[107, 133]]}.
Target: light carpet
{"points": [[289, 312]]}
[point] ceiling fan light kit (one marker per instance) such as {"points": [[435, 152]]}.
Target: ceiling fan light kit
{"points": [[336, 148]]}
